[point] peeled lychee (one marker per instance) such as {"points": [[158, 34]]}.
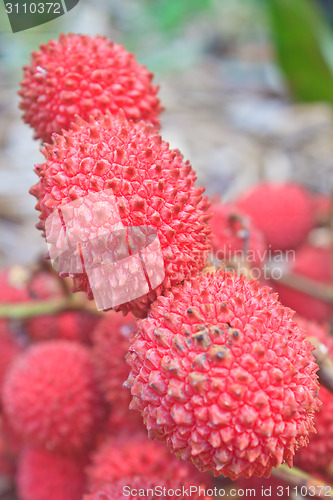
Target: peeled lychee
{"points": [[224, 376], [43, 475], [151, 185], [50, 396], [235, 236], [283, 212], [313, 263], [83, 75]]}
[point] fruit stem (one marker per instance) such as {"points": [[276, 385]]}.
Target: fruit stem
{"points": [[318, 290], [325, 363], [299, 478], [26, 310]]}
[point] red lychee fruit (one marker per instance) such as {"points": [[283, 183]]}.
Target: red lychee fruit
{"points": [[235, 236], [110, 346], [224, 376], [151, 185], [50, 396], [83, 75], [43, 475], [313, 263], [283, 212], [317, 456], [133, 454]]}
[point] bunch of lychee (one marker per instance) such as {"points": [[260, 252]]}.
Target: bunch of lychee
{"points": [[218, 370]]}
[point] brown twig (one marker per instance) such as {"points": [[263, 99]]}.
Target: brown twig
{"points": [[300, 283], [299, 478]]}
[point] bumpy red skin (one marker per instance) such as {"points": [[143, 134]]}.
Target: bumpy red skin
{"points": [[151, 182], [318, 454], [50, 396], [283, 212], [227, 225], [133, 454], [44, 475], [110, 346], [238, 399], [83, 75], [313, 263]]}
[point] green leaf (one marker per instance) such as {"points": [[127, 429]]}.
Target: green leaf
{"points": [[304, 48]]}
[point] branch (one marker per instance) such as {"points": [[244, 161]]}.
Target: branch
{"points": [[325, 363], [299, 478], [27, 310], [300, 283]]}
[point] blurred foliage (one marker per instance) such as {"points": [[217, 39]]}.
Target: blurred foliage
{"points": [[304, 48], [172, 15]]}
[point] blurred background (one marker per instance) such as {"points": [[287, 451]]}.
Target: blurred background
{"points": [[246, 85]]}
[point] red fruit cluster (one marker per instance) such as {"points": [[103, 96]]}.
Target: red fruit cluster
{"points": [[151, 183], [50, 396], [110, 346], [84, 76], [223, 375], [283, 212]]}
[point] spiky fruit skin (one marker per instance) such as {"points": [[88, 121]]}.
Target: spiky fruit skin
{"points": [[233, 232], [133, 454], [83, 75], [110, 346], [283, 212], [50, 396], [317, 456], [76, 326], [43, 475], [152, 185], [313, 263], [223, 375]]}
